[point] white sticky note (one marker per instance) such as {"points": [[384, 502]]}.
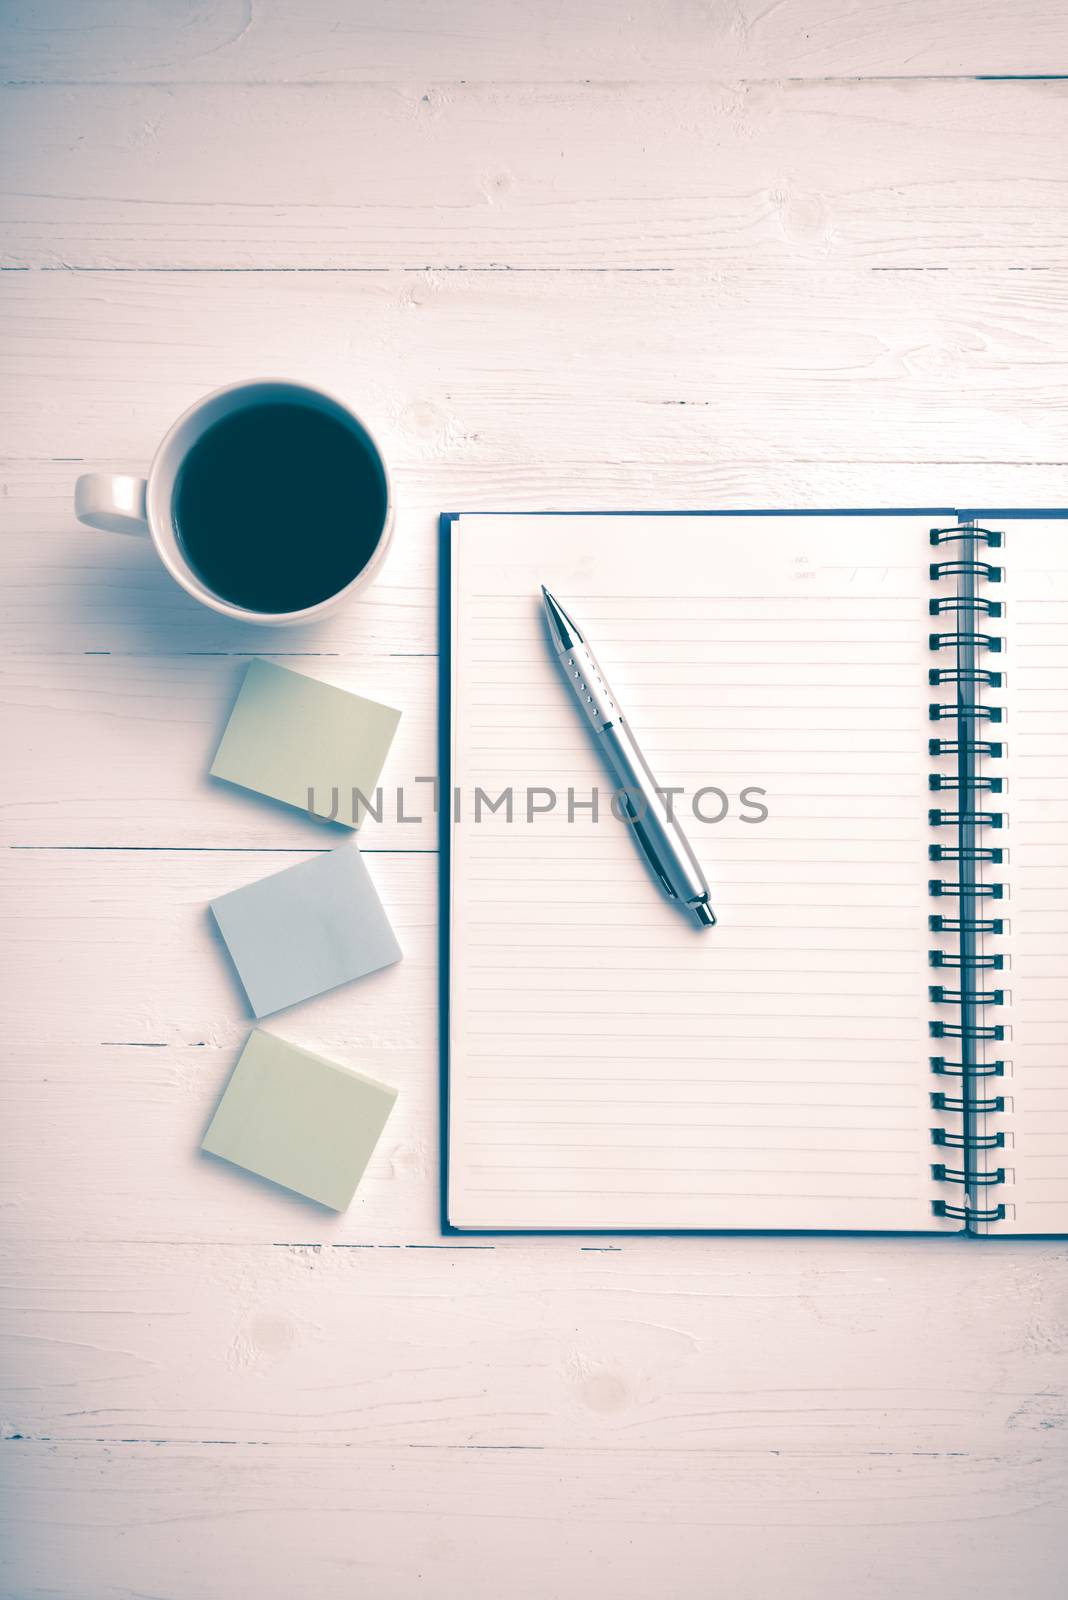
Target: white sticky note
{"points": [[306, 929]]}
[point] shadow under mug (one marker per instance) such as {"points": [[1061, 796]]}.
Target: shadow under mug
{"points": [[121, 504]]}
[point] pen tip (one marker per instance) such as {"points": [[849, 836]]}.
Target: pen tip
{"points": [[565, 634]]}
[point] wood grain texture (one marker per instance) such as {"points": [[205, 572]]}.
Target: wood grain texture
{"points": [[424, 1412], [525, 176], [682, 1343], [361, 41], [680, 253], [470, 1522], [765, 367]]}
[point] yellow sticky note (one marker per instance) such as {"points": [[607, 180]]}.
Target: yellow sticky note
{"points": [[299, 1119], [305, 742]]}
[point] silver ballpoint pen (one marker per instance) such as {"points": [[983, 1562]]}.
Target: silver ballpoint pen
{"points": [[650, 816]]}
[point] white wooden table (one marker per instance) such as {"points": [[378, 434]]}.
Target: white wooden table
{"points": [[673, 253]]}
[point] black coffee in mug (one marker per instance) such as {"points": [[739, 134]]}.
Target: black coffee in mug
{"points": [[279, 505]]}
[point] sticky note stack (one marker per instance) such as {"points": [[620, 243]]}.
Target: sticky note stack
{"points": [[287, 1114]]}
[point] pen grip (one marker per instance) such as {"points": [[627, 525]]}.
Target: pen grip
{"points": [[590, 687], [651, 816]]}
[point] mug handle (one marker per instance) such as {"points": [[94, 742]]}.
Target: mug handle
{"points": [[111, 501]]}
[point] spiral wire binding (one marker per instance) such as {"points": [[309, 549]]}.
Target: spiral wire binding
{"points": [[972, 644]]}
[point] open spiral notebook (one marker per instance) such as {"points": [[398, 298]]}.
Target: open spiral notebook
{"points": [[875, 1035]]}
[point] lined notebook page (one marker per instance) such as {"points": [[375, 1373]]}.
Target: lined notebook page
{"points": [[1035, 633], [611, 1066]]}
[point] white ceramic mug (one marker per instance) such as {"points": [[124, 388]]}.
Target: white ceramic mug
{"points": [[122, 504]]}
